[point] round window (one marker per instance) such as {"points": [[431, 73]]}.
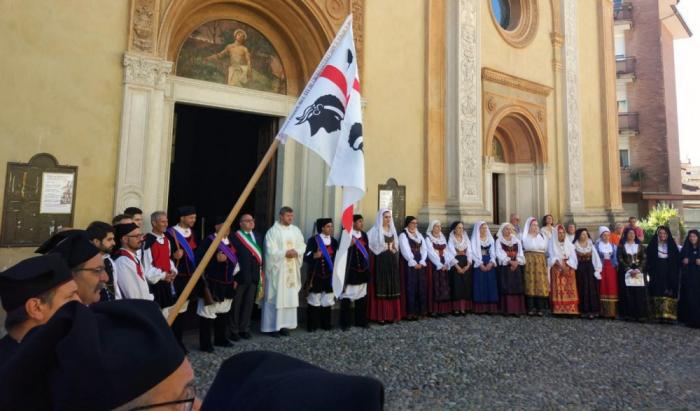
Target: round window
{"points": [[501, 11], [516, 20]]}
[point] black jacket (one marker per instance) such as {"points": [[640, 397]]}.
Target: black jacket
{"points": [[250, 269]]}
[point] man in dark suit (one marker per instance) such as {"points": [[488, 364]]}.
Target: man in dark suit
{"points": [[249, 246]]}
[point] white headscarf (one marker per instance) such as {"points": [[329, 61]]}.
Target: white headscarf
{"points": [[464, 245], [440, 239], [602, 229], [376, 234], [526, 228], [514, 236], [554, 251], [476, 243]]}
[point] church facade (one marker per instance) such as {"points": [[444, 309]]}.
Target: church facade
{"points": [[480, 108]]}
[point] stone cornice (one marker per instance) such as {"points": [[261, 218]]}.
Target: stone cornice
{"points": [[494, 76]]}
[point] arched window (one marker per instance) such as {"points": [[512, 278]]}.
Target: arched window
{"points": [[501, 11]]}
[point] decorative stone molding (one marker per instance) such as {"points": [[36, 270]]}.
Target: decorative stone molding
{"points": [[469, 131], [146, 71], [523, 30], [573, 115], [514, 82], [143, 25]]}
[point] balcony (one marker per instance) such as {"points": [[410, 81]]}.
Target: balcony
{"points": [[628, 123], [626, 68], [622, 13]]}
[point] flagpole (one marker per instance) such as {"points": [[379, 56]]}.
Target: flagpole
{"points": [[175, 310]]}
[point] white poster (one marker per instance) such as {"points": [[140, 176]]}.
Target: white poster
{"points": [[386, 199], [57, 193]]}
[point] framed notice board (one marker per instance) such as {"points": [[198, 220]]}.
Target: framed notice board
{"points": [[39, 200], [393, 196]]}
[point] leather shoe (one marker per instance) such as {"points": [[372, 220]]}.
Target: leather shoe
{"points": [[234, 337], [246, 335], [284, 332]]}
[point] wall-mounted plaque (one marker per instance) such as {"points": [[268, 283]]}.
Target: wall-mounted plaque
{"points": [[39, 200], [393, 196]]}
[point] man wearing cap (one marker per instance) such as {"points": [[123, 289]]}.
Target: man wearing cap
{"points": [[218, 275], [101, 235], [31, 292], [356, 278], [131, 276], [319, 255], [117, 355], [159, 268], [284, 251], [84, 260], [250, 278], [183, 243]]}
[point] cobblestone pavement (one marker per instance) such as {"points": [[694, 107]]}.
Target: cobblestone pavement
{"points": [[496, 362]]}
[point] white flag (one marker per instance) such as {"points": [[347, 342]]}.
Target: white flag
{"points": [[328, 119]]}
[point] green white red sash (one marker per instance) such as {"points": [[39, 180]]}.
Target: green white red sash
{"points": [[251, 245]]}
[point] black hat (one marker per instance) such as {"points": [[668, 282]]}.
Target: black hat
{"points": [[53, 241], [356, 217], [321, 222], [220, 219], [120, 230], [91, 358], [261, 380], [74, 247], [31, 277], [183, 211]]}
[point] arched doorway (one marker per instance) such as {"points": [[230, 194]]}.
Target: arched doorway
{"points": [[286, 40], [515, 165]]}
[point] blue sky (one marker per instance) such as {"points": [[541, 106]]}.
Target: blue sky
{"points": [[687, 56]]}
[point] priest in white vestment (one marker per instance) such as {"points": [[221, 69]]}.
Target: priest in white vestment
{"points": [[284, 253]]}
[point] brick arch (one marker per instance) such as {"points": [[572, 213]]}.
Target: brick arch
{"points": [[299, 31], [519, 134]]}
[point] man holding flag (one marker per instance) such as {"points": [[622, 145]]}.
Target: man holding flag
{"points": [[320, 250]]}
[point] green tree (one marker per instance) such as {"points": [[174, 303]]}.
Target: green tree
{"points": [[660, 215]]}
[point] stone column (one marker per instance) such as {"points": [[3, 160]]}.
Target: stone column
{"points": [[143, 143], [464, 142], [572, 119]]}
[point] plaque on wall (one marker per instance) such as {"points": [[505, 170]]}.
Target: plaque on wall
{"points": [[393, 196], [39, 200]]}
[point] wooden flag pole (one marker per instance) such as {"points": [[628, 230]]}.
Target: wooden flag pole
{"points": [[220, 234]]}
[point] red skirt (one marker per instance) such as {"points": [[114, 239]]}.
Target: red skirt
{"points": [[436, 307], [384, 309], [608, 290]]}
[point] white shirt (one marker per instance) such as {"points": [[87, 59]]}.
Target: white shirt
{"points": [[405, 248], [131, 285]]}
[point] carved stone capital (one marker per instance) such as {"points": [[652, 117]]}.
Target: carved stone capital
{"points": [[146, 71]]}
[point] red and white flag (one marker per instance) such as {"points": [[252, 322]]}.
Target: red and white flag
{"points": [[328, 119]]}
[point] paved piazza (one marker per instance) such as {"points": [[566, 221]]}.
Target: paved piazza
{"points": [[494, 362]]}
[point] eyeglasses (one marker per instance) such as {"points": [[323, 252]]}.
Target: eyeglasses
{"points": [[188, 403], [97, 270]]}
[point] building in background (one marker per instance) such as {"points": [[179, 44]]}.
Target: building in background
{"points": [[690, 179], [646, 100]]}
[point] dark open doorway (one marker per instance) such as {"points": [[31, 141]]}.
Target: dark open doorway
{"points": [[215, 152]]}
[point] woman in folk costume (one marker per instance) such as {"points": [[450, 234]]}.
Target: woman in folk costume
{"points": [[320, 255], [663, 266], [536, 273], [689, 301], [459, 248], [384, 287], [548, 228], [562, 266], [439, 298], [511, 281], [632, 284], [587, 274], [607, 252], [414, 254], [485, 282]]}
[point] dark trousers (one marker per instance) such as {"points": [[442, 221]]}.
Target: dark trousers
{"points": [[350, 316], [205, 326], [242, 308]]}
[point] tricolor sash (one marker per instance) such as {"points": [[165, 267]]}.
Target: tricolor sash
{"points": [[182, 242], [362, 250], [252, 246], [139, 269], [324, 251], [226, 250]]}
